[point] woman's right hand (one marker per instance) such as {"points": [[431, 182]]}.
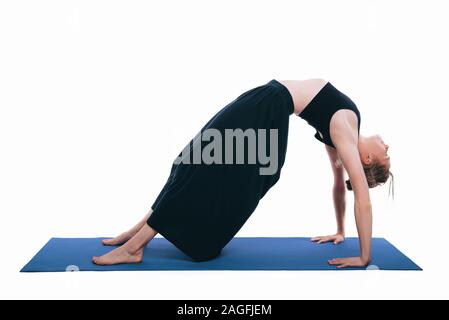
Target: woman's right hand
{"points": [[336, 239]]}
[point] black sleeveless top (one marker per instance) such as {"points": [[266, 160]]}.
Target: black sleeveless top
{"points": [[318, 113]]}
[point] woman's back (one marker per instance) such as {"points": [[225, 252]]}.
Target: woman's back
{"points": [[303, 91]]}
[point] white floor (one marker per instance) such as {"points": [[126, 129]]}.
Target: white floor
{"points": [[226, 285]]}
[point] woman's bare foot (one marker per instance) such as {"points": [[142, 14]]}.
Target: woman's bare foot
{"points": [[131, 252], [119, 256], [126, 236], [121, 239]]}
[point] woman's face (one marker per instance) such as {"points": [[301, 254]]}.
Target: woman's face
{"points": [[379, 149]]}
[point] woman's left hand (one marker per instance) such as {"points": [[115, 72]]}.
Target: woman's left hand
{"points": [[348, 262]]}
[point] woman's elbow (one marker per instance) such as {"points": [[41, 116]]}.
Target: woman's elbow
{"points": [[361, 196], [339, 186], [363, 203]]}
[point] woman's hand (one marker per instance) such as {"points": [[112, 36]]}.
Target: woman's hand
{"points": [[336, 239], [348, 262]]}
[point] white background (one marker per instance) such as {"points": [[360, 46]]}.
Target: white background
{"points": [[97, 98]]}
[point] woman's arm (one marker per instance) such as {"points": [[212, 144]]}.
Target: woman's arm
{"points": [[346, 143], [338, 189], [339, 197]]}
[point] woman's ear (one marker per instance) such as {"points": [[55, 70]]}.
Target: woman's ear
{"points": [[368, 159]]}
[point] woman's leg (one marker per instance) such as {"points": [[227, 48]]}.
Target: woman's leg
{"points": [[131, 251], [125, 236]]}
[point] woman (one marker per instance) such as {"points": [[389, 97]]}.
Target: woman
{"points": [[205, 203]]}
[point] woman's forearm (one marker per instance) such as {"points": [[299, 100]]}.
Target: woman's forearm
{"points": [[339, 196], [364, 221]]}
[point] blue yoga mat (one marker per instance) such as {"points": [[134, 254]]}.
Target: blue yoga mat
{"points": [[61, 255]]}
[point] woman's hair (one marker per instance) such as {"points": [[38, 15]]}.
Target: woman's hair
{"points": [[376, 174]]}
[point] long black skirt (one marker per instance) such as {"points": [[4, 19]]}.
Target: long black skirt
{"points": [[203, 206]]}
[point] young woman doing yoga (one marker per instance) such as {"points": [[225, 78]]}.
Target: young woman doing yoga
{"points": [[213, 188]]}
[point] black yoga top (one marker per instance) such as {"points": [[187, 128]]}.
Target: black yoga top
{"points": [[318, 113]]}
